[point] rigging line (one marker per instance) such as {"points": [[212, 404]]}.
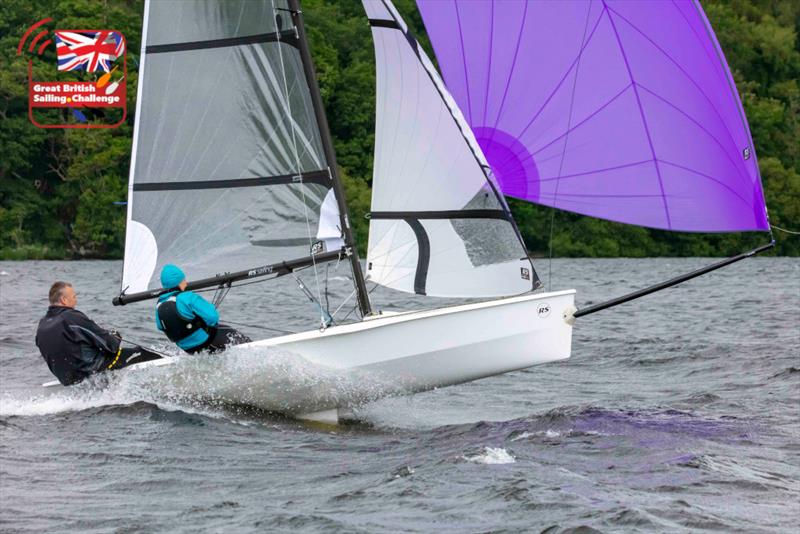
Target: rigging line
{"points": [[298, 168], [369, 292], [327, 300], [262, 327], [784, 230], [219, 296], [325, 317], [344, 302]]}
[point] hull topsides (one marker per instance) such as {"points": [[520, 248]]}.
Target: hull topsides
{"points": [[395, 354], [422, 350], [391, 354]]}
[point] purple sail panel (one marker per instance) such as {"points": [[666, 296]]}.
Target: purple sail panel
{"points": [[620, 110]]}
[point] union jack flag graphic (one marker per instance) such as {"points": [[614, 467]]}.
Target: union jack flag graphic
{"points": [[89, 51]]}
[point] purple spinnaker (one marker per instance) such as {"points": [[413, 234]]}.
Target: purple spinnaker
{"points": [[619, 110]]}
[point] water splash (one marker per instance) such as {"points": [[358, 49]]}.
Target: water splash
{"points": [[490, 455], [264, 377]]}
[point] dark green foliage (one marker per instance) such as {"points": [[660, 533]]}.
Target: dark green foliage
{"points": [[58, 187]]}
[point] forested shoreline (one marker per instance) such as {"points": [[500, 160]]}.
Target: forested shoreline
{"points": [[60, 189]]}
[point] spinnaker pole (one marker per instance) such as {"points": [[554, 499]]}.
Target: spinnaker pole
{"points": [[671, 282], [330, 156]]}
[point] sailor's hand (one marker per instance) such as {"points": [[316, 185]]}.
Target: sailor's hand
{"points": [[114, 332]]}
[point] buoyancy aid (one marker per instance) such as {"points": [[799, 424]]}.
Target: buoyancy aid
{"points": [[174, 324]]}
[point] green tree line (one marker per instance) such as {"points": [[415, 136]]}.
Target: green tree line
{"points": [[58, 187]]}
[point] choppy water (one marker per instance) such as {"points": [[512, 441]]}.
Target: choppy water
{"points": [[678, 412]]}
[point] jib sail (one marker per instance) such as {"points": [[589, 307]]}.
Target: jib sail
{"points": [[438, 226]]}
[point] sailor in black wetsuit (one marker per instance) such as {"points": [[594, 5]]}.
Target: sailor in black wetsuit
{"points": [[74, 347]]}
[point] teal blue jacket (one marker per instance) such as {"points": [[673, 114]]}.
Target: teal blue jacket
{"points": [[191, 305]]}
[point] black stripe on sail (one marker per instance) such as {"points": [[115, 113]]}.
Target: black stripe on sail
{"points": [[423, 242], [316, 177], [286, 36], [423, 256], [445, 214], [383, 23]]}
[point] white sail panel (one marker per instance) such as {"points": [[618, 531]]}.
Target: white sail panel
{"points": [[228, 170], [438, 225]]}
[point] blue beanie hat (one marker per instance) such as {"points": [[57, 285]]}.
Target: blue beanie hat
{"points": [[171, 276]]}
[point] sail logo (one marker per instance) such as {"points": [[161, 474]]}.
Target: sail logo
{"points": [[543, 310], [87, 89], [261, 270], [317, 247]]}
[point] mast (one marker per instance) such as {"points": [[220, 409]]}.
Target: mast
{"points": [[330, 156]]}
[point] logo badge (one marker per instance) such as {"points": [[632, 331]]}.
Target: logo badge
{"points": [[87, 88], [543, 310], [317, 247], [525, 273]]}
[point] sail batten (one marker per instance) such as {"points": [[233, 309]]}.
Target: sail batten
{"points": [[317, 177], [286, 36], [603, 100]]}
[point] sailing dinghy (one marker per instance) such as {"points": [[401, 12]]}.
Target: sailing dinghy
{"points": [[233, 171]]}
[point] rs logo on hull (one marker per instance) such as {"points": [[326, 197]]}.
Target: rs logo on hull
{"points": [[543, 310]]}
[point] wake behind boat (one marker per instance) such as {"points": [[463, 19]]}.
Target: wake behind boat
{"points": [[257, 163]]}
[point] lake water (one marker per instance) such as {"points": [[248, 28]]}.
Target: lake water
{"points": [[677, 412]]}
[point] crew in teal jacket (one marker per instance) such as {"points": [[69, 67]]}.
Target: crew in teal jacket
{"points": [[188, 319]]}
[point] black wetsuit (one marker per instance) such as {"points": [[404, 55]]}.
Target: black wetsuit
{"points": [[74, 347], [220, 338]]}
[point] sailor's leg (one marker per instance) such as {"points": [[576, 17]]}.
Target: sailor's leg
{"points": [[226, 336]]}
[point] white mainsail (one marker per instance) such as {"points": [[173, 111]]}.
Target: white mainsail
{"points": [[228, 169], [438, 225]]}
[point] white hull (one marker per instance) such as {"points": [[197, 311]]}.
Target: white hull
{"points": [[428, 349], [387, 355]]}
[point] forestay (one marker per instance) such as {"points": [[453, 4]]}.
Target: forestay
{"points": [[438, 224], [620, 110], [228, 170]]}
